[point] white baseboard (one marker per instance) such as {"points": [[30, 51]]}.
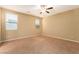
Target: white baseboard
{"points": [[59, 37], [21, 37], [43, 35]]}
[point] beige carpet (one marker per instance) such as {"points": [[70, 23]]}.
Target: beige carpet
{"points": [[40, 44]]}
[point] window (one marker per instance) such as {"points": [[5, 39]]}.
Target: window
{"points": [[11, 21], [37, 23]]}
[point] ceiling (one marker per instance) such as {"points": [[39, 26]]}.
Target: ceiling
{"points": [[35, 9]]}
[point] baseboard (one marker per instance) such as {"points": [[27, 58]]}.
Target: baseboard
{"points": [[38, 35], [59, 37], [21, 37]]}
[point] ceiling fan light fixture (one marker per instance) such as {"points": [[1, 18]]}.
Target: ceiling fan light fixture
{"points": [[45, 8]]}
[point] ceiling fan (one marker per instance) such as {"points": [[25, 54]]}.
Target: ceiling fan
{"points": [[46, 9]]}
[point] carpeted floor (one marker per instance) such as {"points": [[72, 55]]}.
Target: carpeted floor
{"points": [[40, 45]]}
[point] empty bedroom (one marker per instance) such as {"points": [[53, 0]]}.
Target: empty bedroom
{"points": [[39, 29]]}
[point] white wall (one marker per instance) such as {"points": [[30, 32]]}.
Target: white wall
{"points": [[63, 25], [26, 26]]}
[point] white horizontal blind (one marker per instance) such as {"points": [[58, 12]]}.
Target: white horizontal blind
{"points": [[37, 22], [11, 21]]}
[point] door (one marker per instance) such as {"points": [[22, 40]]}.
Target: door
{"points": [[2, 26]]}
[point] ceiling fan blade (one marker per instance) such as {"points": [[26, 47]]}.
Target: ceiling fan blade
{"points": [[47, 11], [49, 8], [40, 12]]}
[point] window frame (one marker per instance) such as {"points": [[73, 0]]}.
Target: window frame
{"points": [[8, 16]]}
